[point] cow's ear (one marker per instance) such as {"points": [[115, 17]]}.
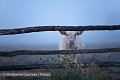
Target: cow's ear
{"points": [[79, 32], [63, 32]]}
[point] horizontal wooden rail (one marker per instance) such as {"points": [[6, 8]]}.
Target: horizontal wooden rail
{"points": [[32, 66], [58, 28], [56, 52], [55, 66]]}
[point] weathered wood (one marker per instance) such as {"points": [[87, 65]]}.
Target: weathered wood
{"points": [[32, 66], [109, 64], [55, 66], [56, 52], [58, 28]]}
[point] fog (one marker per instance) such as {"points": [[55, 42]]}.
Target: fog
{"points": [[25, 13]]}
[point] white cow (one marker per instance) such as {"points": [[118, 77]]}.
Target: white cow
{"points": [[71, 41]]}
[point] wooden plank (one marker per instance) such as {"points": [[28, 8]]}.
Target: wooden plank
{"points": [[55, 66], [56, 52], [58, 28], [32, 66]]}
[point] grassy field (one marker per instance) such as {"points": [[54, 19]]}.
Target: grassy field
{"points": [[92, 72], [78, 72]]}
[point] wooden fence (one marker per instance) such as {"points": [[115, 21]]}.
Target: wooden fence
{"points": [[56, 52]]}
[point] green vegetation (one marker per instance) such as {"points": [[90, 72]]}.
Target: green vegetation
{"points": [[74, 72], [93, 72]]}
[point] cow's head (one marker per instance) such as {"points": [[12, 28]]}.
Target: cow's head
{"points": [[71, 38]]}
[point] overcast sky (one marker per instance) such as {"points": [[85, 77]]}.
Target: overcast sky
{"points": [[24, 13]]}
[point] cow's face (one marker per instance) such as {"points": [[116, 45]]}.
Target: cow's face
{"points": [[71, 38]]}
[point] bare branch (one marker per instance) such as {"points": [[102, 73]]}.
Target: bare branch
{"points": [[58, 28]]}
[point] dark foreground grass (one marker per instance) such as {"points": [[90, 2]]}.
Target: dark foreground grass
{"points": [[92, 72], [76, 72]]}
